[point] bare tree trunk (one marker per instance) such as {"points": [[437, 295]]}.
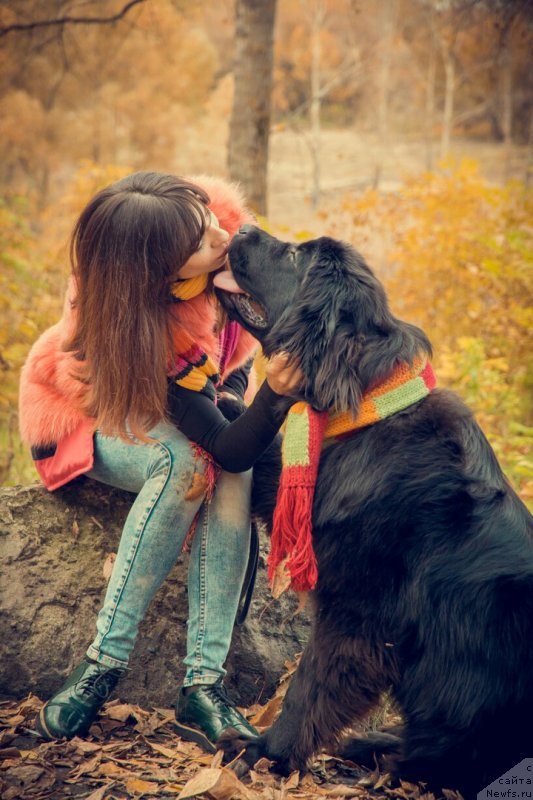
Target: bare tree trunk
{"points": [[250, 119], [529, 169], [316, 100], [389, 10], [447, 115], [506, 88], [430, 108], [429, 122]]}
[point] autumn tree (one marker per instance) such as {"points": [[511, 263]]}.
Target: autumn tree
{"points": [[470, 67], [120, 92]]}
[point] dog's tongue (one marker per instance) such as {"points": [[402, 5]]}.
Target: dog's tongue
{"points": [[224, 280]]}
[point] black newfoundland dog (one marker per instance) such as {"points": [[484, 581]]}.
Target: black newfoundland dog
{"points": [[424, 551]]}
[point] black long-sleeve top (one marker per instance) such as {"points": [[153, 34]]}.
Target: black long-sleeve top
{"points": [[236, 445]]}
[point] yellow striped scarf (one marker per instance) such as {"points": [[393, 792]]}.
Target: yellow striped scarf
{"points": [[192, 368]]}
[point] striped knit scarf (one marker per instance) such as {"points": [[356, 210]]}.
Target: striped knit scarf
{"points": [[192, 368], [306, 431]]}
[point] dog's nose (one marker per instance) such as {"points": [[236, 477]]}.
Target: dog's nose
{"points": [[245, 228]]}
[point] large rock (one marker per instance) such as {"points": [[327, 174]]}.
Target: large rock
{"points": [[53, 549]]}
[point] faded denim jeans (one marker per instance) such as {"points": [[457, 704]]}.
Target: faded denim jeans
{"points": [[161, 474]]}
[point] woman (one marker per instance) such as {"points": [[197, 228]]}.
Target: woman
{"points": [[124, 390]]}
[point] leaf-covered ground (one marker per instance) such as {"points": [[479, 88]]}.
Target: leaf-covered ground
{"points": [[133, 753]]}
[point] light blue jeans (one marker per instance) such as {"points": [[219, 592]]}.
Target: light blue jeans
{"points": [[161, 473]]}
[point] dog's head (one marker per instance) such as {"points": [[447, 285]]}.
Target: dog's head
{"points": [[320, 302]]}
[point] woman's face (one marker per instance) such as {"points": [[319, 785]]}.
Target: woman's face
{"points": [[212, 252]]}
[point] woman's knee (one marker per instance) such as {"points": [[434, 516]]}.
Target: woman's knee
{"points": [[174, 457]]}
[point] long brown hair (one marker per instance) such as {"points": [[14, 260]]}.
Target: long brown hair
{"points": [[127, 247]]}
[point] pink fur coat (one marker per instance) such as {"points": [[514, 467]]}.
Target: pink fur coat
{"points": [[50, 416]]}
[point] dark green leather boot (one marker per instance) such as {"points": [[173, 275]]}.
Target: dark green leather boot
{"points": [[73, 709], [203, 714]]}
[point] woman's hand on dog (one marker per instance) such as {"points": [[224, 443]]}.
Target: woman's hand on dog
{"points": [[283, 374]]}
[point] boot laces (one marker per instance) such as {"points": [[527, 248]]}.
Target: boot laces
{"points": [[99, 684], [218, 694]]}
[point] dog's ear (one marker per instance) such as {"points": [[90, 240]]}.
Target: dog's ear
{"points": [[340, 328], [319, 329]]}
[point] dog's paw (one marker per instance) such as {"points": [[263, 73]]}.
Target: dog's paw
{"points": [[243, 750]]}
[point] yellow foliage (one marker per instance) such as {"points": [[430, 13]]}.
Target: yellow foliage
{"points": [[33, 273], [116, 93], [24, 299], [456, 256]]}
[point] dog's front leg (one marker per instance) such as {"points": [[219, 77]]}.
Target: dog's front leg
{"points": [[335, 683], [291, 728]]}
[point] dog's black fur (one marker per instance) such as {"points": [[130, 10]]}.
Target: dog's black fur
{"points": [[424, 551]]}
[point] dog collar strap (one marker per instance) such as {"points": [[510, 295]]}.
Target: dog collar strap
{"points": [[306, 431]]}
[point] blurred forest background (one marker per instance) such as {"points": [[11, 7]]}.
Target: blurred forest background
{"points": [[402, 126]]}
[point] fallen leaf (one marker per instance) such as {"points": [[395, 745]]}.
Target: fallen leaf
{"points": [[86, 767], [8, 763], [198, 759], [308, 782], [138, 786], [281, 580], [167, 713], [165, 751], [99, 794], [75, 529], [198, 486], [25, 774], [369, 779], [268, 713], [13, 793], [10, 752], [83, 746], [450, 794], [410, 787], [384, 780], [263, 765], [341, 790], [217, 759], [31, 704], [16, 720], [303, 597], [292, 781], [291, 666], [107, 569], [218, 784], [122, 712], [110, 769], [145, 727], [106, 725]]}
